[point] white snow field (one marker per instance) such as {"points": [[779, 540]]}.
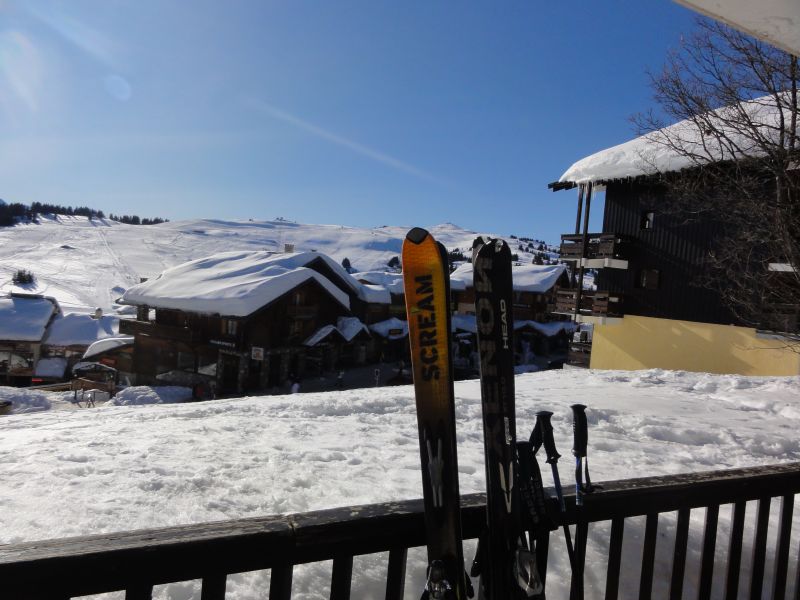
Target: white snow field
{"points": [[68, 473]]}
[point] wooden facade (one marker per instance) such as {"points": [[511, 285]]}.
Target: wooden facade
{"points": [[234, 355], [666, 257]]}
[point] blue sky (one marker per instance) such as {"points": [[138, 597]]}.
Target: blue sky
{"points": [[357, 113]]}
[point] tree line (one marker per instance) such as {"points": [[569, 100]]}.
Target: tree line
{"points": [[12, 213]]}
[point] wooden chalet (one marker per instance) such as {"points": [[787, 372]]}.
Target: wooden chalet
{"points": [[24, 319], [648, 308], [534, 290], [240, 322]]}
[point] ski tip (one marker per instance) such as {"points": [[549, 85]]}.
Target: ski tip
{"points": [[479, 241], [417, 235]]}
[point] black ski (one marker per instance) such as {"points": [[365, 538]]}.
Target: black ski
{"points": [[506, 566], [426, 280]]}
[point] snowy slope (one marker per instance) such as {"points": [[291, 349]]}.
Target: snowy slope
{"points": [[113, 468], [86, 264]]}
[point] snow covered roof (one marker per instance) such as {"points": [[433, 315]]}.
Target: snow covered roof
{"points": [[648, 154], [548, 329], [80, 329], [320, 334], [774, 21], [384, 328], [109, 343], [51, 367], [350, 327], [526, 278], [24, 318], [375, 294], [391, 281], [235, 283]]}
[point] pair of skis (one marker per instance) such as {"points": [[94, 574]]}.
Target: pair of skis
{"points": [[506, 566], [506, 561]]}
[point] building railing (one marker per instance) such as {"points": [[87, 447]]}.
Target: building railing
{"points": [[180, 334], [595, 303], [136, 561], [601, 245]]}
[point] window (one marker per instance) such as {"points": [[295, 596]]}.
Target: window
{"points": [[648, 279], [646, 221], [229, 327]]}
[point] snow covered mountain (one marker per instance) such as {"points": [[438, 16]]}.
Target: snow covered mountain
{"points": [[89, 263]]}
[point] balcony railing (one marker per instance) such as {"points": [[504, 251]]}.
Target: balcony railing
{"points": [[180, 334], [600, 246], [136, 561], [593, 303]]}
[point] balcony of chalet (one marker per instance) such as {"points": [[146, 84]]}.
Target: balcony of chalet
{"points": [[598, 307], [152, 329], [603, 250]]}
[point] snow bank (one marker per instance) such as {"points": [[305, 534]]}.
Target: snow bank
{"points": [[27, 401], [196, 462], [139, 395]]}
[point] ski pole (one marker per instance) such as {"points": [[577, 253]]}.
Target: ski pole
{"points": [[542, 435], [579, 449]]}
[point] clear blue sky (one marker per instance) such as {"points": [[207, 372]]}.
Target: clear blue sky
{"points": [[360, 113]]}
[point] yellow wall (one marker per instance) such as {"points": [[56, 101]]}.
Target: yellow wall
{"points": [[645, 343]]}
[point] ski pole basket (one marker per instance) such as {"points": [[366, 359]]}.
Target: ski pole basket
{"points": [[135, 561]]}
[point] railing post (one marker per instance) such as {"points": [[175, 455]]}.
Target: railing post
{"points": [[782, 549], [679, 554], [214, 587], [759, 548], [614, 558], [709, 547], [342, 576], [648, 557], [396, 574], [735, 551], [280, 582]]}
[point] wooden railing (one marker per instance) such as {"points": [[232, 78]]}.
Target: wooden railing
{"points": [[180, 334], [601, 245], [593, 303], [136, 561]]}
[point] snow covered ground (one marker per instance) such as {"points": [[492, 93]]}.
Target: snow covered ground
{"points": [[113, 468], [86, 264]]}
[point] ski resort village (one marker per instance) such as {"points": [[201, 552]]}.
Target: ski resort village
{"points": [[207, 402]]}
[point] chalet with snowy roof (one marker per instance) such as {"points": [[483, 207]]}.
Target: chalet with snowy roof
{"points": [[388, 282], [534, 290], [648, 309], [24, 319], [246, 320]]}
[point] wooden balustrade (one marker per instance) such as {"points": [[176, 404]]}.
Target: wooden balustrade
{"points": [[136, 561]]}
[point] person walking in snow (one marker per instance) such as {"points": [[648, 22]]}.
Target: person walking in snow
{"points": [[296, 387]]}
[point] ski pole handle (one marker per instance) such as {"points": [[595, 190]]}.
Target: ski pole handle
{"points": [[545, 435], [580, 430]]}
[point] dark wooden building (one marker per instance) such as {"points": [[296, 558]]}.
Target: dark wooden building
{"points": [[650, 307], [238, 322]]}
